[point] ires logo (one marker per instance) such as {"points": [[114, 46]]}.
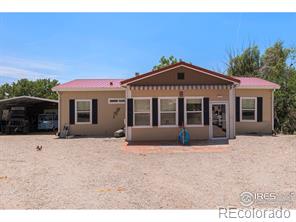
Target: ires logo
{"points": [[249, 198], [265, 196]]}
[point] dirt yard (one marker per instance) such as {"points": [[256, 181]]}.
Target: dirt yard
{"points": [[96, 173]]}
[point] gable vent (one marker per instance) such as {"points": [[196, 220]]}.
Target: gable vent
{"points": [[180, 75]]}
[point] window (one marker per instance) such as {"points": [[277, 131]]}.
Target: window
{"points": [[249, 109], [180, 75], [142, 112], [116, 101], [168, 111], [194, 111], [83, 111]]}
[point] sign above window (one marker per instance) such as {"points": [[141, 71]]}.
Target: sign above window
{"points": [[116, 101]]}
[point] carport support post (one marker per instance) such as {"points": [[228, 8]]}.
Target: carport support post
{"points": [[232, 112], [128, 129], [59, 112]]}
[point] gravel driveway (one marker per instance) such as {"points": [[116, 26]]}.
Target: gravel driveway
{"points": [[95, 173]]}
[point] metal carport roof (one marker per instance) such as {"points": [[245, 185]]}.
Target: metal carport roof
{"points": [[21, 100]]}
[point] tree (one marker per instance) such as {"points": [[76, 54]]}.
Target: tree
{"points": [[248, 63], [5, 91], [276, 65], [24, 87], [163, 62], [276, 68], [43, 88]]}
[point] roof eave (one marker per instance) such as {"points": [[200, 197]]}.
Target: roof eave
{"points": [[72, 89], [258, 87], [29, 97]]}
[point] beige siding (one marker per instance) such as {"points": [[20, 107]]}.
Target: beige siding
{"points": [[170, 78], [108, 121], [164, 133], [263, 127]]}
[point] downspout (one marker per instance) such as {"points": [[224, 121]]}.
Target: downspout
{"points": [[59, 112], [272, 109]]}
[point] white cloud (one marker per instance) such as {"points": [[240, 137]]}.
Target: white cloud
{"points": [[29, 63], [17, 73], [18, 68]]}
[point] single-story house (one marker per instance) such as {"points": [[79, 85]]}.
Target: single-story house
{"points": [[154, 105]]}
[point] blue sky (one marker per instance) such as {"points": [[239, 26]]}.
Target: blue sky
{"points": [[116, 45]]}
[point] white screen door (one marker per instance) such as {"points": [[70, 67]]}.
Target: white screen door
{"points": [[219, 125]]}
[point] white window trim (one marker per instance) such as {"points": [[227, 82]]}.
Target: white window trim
{"points": [[150, 112], [202, 111], [90, 111], [118, 101], [241, 109], [159, 112]]}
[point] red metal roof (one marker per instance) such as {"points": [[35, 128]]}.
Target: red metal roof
{"points": [[200, 69], [109, 84], [90, 83], [254, 82]]}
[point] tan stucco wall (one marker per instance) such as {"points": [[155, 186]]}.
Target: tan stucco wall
{"points": [[106, 123], [170, 78], [211, 93], [164, 133], [263, 127]]}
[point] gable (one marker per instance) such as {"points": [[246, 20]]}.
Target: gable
{"points": [[205, 76], [172, 77]]}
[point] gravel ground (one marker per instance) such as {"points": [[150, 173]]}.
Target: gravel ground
{"points": [[95, 173]]}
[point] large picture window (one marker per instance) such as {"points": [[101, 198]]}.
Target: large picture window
{"points": [[249, 109], [168, 111], [83, 111], [142, 112], [194, 111]]}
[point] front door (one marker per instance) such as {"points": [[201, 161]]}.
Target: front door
{"points": [[218, 124]]}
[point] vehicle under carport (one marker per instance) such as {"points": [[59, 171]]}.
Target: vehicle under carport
{"points": [[26, 114]]}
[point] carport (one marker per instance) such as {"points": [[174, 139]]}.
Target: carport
{"points": [[26, 109]]}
